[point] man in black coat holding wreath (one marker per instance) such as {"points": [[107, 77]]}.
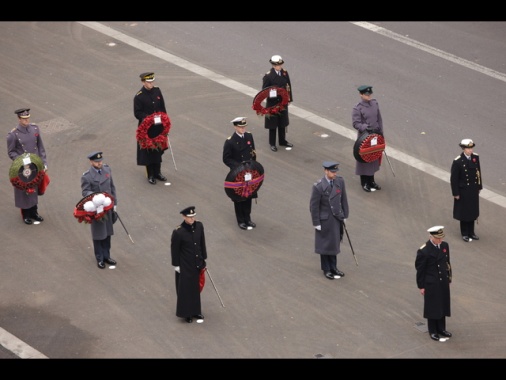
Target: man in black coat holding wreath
{"points": [[148, 100]]}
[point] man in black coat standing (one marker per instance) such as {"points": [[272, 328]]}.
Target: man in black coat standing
{"points": [[466, 183], [238, 148], [433, 278], [277, 76], [188, 253], [147, 101]]}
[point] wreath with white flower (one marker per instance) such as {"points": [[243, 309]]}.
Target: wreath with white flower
{"points": [[27, 172], [93, 207], [275, 109], [158, 142]]}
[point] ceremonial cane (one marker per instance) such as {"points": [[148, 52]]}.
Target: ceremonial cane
{"points": [[172, 154], [349, 241], [124, 227], [212, 282], [389, 163]]}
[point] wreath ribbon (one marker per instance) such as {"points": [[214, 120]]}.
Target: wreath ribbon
{"points": [[245, 188], [275, 109]]}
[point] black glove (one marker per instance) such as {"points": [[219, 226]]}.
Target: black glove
{"points": [[369, 129], [114, 217]]}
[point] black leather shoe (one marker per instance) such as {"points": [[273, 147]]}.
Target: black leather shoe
{"points": [[199, 318], [288, 145], [251, 224], [337, 272], [243, 226], [27, 221], [465, 238], [101, 265], [445, 333], [161, 177], [434, 337], [38, 218], [188, 320], [274, 148], [374, 185], [110, 261], [367, 188], [474, 237], [329, 275], [152, 181]]}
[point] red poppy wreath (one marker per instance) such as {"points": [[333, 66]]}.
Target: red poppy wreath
{"points": [[275, 109], [158, 142], [27, 172]]}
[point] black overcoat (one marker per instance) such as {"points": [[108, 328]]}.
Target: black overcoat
{"points": [[271, 78], [466, 181], [188, 252], [147, 102], [434, 274]]}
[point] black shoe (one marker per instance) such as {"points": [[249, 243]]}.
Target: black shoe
{"points": [[199, 318], [27, 221], [274, 148], [434, 337], [474, 237], [152, 181], [251, 224], [110, 261], [465, 238], [329, 275], [243, 226], [161, 177], [287, 144], [374, 185], [101, 265], [445, 333], [38, 218], [367, 188], [337, 272], [188, 320]]}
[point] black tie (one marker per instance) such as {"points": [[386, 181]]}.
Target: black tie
{"points": [[331, 183], [99, 171]]}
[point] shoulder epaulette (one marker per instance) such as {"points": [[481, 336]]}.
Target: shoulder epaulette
{"points": [[229, 137], [178, 227], [423, 246], [13, 129], [317, 182], [107, 165], [140, 92], [476, 154], [86, 172], [267, 72], [456, 158], [248, 132]]}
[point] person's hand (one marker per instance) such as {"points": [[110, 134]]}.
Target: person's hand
{"points": [[115, 208], [369, 129], [345, 220], [45, 167], [177, 269], [319, 227]]}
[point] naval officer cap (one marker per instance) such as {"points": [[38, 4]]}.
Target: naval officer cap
{"points": [[148, 77], [189, 211], [23, 113], [467, 143], [331, 166], [437, 231], [276, 60], [95, 156], [366, 90], [239, 122]]}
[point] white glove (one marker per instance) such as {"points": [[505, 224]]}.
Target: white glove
{"points": [[45, 167], [319, 228], [177, 269], [115, 208], [345, 220]]}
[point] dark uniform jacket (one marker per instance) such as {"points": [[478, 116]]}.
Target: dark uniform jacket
{"points": [[92, 182], [237, 150], [434, 274], [147, 102], [466, 181], [366, 114], [271, 78], [22, 140], [188, 252], [328, 207]]}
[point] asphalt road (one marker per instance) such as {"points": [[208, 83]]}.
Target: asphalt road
{"points": [[79, 81]]}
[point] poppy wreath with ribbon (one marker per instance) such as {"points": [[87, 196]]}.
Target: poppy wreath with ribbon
{"points": [[369, 147], [93, 207], [161, 141], [27, 176], [275, 109], [236, 186]]}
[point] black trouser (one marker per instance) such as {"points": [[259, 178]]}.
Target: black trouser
{"points": [[29, 213], [328, 262], [467, 228], [436, 326], [243, 211], [367, 180], [102, 249], [282, 135], [153, 170]]}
